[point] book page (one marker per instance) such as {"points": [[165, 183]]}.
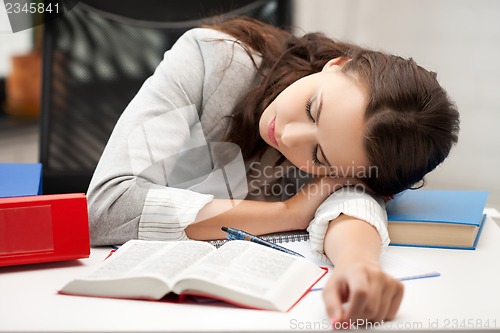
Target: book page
{"points": [[244, 266], [403, 269], [152, 258]]}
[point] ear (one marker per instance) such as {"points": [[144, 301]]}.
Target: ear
{"points": [[336, 63]]}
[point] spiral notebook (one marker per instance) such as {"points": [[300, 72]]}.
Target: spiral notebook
{"points": [[277, 238]]}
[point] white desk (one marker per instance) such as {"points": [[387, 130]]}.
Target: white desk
{"points": [[467, 293]]}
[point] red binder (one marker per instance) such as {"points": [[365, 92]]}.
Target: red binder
{"points": [[43, 228]]}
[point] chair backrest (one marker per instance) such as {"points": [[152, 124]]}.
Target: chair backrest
{"points": [[96, 57]]}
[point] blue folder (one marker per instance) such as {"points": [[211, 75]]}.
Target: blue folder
{"points": [[20, 179]]}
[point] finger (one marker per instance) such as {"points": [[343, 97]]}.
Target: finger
{"points": [[358, 295], [375, 298], [388, 290], [396, 301], [333, 296], [387, 297]]}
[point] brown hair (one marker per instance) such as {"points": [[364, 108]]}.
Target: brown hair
{"points": [[411, 124]]}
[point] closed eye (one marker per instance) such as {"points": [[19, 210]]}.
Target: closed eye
{"points": [[317, 147], [315, 158], [308, 110]]}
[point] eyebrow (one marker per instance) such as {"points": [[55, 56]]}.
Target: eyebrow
{"points": [[318, 114]]}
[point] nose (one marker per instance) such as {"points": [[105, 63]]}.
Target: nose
{"points": [[298, 133]]}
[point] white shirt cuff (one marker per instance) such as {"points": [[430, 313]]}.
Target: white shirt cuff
{"points": [[349, 201], [167, 212]]}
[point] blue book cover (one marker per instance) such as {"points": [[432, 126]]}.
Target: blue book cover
{"points": [[20, 179], [445, 206], [429, 212]]}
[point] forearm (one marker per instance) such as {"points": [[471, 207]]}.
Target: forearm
{"points": [[354, 247], [262, 217], [252, 216], [349, 240]]}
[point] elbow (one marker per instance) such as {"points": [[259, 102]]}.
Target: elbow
{"points": [[114, 213]]}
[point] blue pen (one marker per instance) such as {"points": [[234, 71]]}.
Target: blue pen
{"points": [[236, 234]]}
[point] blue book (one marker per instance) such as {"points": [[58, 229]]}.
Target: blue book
{"points": [[437, 218], [20, 179]]}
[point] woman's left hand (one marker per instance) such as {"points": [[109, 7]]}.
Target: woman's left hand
{"points": [[370, 294]]}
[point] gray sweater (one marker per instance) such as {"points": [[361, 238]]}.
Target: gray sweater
{"points": [[165, 160]]}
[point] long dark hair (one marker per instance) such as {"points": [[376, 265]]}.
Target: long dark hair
{"points": [[410, 123]]}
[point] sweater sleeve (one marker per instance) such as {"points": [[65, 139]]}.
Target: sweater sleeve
{"points": [[139, 189], [349, 201]]}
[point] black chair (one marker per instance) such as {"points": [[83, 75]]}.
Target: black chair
{"points": [[95, 58]]}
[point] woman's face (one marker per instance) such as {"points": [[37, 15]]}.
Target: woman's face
{"points": [[317, 123]]}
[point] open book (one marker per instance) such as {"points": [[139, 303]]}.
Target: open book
{"points": [[239, 272]]}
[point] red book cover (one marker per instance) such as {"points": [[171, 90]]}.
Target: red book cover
{"points": [[43, 228]]}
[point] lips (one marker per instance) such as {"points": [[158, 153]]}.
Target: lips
{"points": [[271, 132]]}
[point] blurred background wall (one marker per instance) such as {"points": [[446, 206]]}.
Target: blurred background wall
{"points": [[458, 39], [10, 43]]}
